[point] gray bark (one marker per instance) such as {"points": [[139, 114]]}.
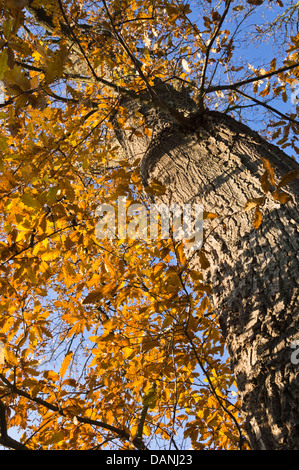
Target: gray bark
{"points": [[254, 273]]}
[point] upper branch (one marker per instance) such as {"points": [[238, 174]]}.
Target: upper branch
{"points": [[234, 86], [119, 433], [203, 75]]}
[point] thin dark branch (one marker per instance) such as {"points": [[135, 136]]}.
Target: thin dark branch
{"points": [[267, 106], [141, 421]]}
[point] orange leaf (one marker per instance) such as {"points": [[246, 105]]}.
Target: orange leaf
{"points": [[257, 220], [65, 363], [10, 357], [254, 202], [265, 182]]}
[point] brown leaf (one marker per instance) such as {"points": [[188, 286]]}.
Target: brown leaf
{"points": [[265, 182], [269, 169], [204, 262]]}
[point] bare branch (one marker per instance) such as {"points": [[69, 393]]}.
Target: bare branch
{"points": [[5, 439], [203, 75]]}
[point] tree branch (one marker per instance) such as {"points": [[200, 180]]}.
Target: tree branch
{"points": [[267, 106], [141, 422], [46, 21]]}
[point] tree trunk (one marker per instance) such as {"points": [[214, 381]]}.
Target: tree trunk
{"points": [[253, 272]]}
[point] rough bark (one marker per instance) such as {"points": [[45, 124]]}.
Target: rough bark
{"points": [[253, 272]]}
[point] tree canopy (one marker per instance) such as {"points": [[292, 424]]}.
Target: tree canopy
{"points": [[112, 343]]}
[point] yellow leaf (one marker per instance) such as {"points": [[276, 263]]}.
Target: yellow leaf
{"points": [[150, 398], [51, 375], [109, 266], [76, 329], [3, 63], [29, 201], [65, 363]]}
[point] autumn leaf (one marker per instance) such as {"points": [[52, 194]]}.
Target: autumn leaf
{"points": [[150, 397], [251, 203], [92, 297], [269, 170], [257, 219], [55, 438], [265, 183], [209, 215], [29, 201], [156, 188], [3, 63], [255, 2], [204, 262], [288, 178], [281, 196]]}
